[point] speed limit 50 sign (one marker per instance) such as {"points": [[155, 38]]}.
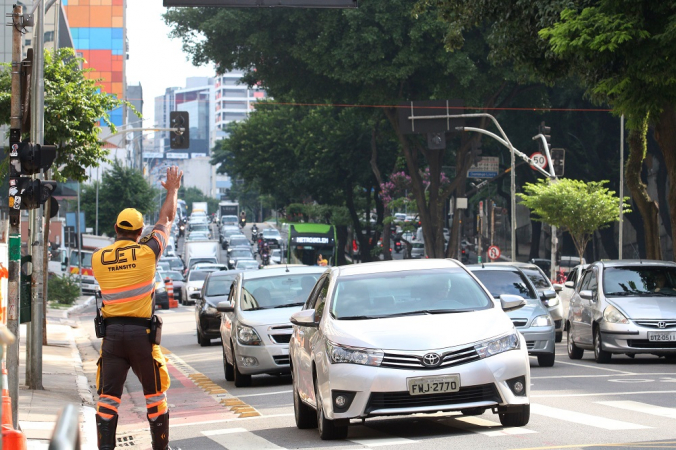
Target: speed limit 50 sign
{"points": [[493, 252], [539, 160]]}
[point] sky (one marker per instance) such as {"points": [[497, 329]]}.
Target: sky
{"points": [[155, 60]]}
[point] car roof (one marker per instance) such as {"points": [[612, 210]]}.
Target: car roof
{"points": [[634, 262], [225, 273], [493, 266], [519, 264], [394, 266], [283, 270]]}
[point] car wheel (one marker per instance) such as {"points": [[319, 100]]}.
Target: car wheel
{"points": [[517, 418], [546, 360], [227, 367], [601, 356], [202, 340], [328, 430], [559, 337], [574, 352], [305, 416], [199, 337], [473, 411], [240, 379]]}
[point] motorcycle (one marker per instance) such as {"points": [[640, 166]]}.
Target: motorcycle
{"points": [[397, 246], [265, 257], [242, 223]]}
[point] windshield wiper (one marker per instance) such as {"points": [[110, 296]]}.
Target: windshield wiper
{"points": [[289, 305], [358, 317], [448, 311], [625, 294], [257, 308]]}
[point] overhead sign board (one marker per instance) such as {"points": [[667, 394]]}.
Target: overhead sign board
{"points": [[488, 167], [265, 3], [152, 155], [414, 117], [177, 155]]}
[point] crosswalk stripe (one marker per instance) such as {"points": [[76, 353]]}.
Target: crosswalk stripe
{"points": [[642, 408], [369, 437], [582, 418], [240, 439], [478, 421]]}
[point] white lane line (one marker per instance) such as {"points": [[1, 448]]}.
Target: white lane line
{"points": [[644, 408], [474, 422], [591, 366], [240, 439], [369, 437], [265, 393], [599, 394], [558, 377], [236, 419], [582, 418]]}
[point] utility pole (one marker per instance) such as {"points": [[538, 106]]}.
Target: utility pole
{"points": [[12, 362]]}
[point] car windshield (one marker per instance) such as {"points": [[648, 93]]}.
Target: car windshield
{"points": [[240, 254], [239, 242], [537, 278], [198, 275], [229, 219], [176, 263], [407, 293], [163, 265], [198, 236], [277, 292], [247, 264], [86, 259], [202, 260], [640, 280], [500, 282], [219, 285], [175, 276], [270, 233]]}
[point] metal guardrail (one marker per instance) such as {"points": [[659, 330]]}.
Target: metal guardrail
{"points": [[66, 435]]}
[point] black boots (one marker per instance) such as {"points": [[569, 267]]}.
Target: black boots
{"points": [[159, 430], [105, 432]]}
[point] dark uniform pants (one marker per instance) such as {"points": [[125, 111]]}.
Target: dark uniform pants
{"points": [[128, 346]]}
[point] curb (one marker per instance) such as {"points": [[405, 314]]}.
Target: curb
{"points": [[87, 412], [76, 308]]}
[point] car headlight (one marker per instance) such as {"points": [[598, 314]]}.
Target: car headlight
{"points": [[542, 321], [344, 354], [613, 315], [247, 335], [499, 345], [193, 288]]}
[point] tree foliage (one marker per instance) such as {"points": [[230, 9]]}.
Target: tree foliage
{"points": [[577, 207], [194, 194], [74, 110], [121, 187]]}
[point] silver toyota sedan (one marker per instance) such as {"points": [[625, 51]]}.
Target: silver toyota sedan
{"points": [[625, 307]]}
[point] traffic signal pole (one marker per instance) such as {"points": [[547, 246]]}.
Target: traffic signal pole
{"points": [[12, 360]]}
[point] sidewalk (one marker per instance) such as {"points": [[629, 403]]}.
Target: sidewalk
{"points": [[63, 380]]}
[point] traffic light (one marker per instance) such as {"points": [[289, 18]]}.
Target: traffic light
{"points": [[27, 158], [35, 157], [546, 132], [179, 138], [558, 160], [476, 152]]}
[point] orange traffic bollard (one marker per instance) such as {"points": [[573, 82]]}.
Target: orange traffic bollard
{"points": [[11, 439], [170, 291]]}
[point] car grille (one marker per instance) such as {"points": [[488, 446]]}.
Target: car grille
{"points": [[448, 359], [470, 394], [644, 343], [280, 338], [668, 323], [282, 360], [530, 345], [519, 322]]}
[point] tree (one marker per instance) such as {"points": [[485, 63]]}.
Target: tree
{"points": [[74, 110], [194, 194], [574, 206], [379, 54], [121, 187]]}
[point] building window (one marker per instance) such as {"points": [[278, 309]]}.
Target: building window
{"points": [[49, 36], [28, 42], [235, 93], [234, 116]]}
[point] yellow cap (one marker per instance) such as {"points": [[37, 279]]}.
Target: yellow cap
{"points": [[130, 219]]}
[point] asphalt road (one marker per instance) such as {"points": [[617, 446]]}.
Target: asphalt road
{"points": [[628, 403]]}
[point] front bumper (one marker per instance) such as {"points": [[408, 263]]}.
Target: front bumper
{"points": [[380, 391], [271, 357], [539, 340], [633, 338]]}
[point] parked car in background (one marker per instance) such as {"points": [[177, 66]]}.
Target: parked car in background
{"points": [[247, 264], [175, 263], [276, 256], [272, 237], [163, 266], [161, 295], [207, 319], [405, 337], [417, 250], [626, 306], [255, 329], [193, 283], [178, 282], [236, 254], [572, 278], [533, 320], [547, 292]]}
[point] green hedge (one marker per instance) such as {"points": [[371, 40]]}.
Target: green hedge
{"points": [[64, 290]]}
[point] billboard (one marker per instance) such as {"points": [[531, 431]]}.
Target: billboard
{"points": [[488, 167], [265, 3]]}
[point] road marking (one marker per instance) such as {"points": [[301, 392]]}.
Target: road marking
{"points": [[583, 419], [631, 380], [240, 439], [601, 394], [646, 444], [591, 366], [642, 408], [265, 393], [269, 416], [370, 437], [472, 422], [557, 377]]}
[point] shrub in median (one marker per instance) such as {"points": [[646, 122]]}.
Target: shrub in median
{"points": [[64, 289]]}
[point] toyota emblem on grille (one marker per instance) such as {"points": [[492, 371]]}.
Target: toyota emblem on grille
{"points": [[661, 324], [431, 360]]}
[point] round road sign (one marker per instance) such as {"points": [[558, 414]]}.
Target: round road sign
{"points": [[539, 159], [493, 252]]}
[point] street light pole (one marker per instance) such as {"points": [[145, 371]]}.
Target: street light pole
{"points": [[621, 187]]}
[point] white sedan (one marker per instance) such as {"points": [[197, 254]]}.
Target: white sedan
{"points": [[405, 337]]}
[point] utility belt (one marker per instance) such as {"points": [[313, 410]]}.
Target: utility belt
{"points": [[140, 321], [154, 323]]}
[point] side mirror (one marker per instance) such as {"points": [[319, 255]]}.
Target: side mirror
{"points": [[225, 307], [511, 302], [305, 318], [558, 287], [586, 294], [569, 284], [65, 261], [547, 294], [195, 295]]}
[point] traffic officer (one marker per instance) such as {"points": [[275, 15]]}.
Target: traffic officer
{"points": [[125, 271]]}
